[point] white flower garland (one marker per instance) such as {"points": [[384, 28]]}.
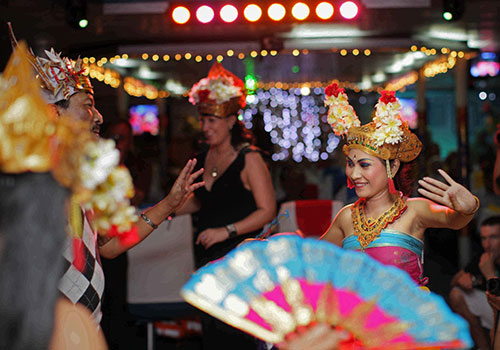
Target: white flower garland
{"points": [[388, 122], [221, 89]]}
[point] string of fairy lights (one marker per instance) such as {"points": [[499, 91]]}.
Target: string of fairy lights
{"points": [[293, 113], [98, 69]]}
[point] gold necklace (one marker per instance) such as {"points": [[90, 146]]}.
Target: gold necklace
{"points": [[367, 230]]}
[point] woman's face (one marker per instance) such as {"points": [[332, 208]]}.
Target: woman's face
{"points": [[367, 173], [216, 130]]}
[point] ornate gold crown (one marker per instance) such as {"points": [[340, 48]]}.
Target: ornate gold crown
{"points": [[220, 94], [34, 139], [57, 75], [386, 137], [362, 138]]}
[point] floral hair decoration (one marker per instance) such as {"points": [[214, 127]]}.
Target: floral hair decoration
{"points": [[387, 136], [58, 76], [32, 139], [220, 94]]}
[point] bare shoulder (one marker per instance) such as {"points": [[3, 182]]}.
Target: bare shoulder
{"points": [[253, 156], [343, 220]]}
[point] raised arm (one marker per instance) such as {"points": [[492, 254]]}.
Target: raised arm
{"points": [[178, 195], [455, 207]]}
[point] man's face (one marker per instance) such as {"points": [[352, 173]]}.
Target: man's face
{"points": [[490, 240], [82, 107]]}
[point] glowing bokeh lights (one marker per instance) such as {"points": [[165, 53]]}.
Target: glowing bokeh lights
{"points": [[348, 10], [181, 15], [324, 10], [252, 13], [296, 121], [205, 14], [276, 12], [228, 13], [300, 11]]}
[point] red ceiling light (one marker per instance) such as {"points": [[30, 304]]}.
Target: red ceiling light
{"points": [[300, 11], [181, 15], [205, 14], [228, 13], [348, 10], [276, 12], [324, 10], [252, 13]]}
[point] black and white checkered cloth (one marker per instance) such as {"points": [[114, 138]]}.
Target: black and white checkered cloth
{"points": [[84, 287]]}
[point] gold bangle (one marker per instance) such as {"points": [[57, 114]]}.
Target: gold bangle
{"points": [[475, 209]]}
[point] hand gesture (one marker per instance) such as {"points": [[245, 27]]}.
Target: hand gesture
{"points": [[210, 236], [184, 186], [487, 265], [464, 281], [493, 300], [318, 337], [451, 194]]}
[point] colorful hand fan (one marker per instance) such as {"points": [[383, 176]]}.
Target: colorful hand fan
{"points": [[270, 288]]}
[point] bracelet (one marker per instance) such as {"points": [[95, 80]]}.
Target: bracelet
{"points": [[231, 231], [148, 221], [475, 209]]}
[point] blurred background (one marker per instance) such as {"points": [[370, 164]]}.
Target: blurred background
{"points": [[441, 56]]}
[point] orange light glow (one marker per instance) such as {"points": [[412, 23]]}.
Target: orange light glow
{"points": [[252, 13], [181, 15], [228, 13], [324, 10], [276, 12], [205, 14], [300, 11]]}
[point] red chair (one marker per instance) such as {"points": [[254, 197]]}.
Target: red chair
{"points": [[310, 217]]}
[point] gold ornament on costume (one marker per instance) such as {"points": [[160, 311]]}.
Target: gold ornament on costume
{"points": [[387, 136], [34, 139], [57, 75], [367, 230], [26, 127], [220, 94]]}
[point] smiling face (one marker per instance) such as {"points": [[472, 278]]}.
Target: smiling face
{"points": [[366, 172], [217, 130]]}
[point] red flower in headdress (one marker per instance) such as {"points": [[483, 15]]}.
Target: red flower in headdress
{"points": [[333, 89], [388, 96], [203, 95]]}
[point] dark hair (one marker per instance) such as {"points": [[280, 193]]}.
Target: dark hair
{"points": [[62, 103], [403, 180], [32, 233], [240, 134], [491, 221]]}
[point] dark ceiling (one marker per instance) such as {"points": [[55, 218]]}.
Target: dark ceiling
{"points": [[387, 27]]}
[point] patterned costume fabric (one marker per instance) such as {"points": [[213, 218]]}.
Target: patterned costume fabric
{"points": [[87, 286], [394, 248]]}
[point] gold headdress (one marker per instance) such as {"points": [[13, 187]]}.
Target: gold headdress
{"points": [[387, 136], [58, 76], [32, 139], [220, 94]]}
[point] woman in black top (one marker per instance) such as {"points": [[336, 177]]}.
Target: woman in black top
{"points": [[238, 197]]}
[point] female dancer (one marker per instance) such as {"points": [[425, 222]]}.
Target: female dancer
{"points": [[386, 223]]}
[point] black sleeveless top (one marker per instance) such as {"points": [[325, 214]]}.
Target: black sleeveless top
{"points": [[227, 202]]}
